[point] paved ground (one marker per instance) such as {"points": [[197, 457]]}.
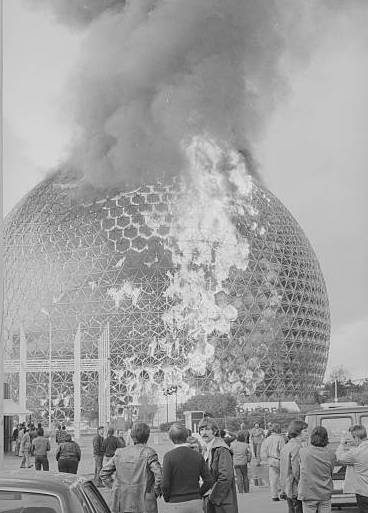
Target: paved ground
{"points": [[257, 501]]}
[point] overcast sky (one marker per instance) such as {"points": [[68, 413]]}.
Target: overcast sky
{"points": [[313, 155]]}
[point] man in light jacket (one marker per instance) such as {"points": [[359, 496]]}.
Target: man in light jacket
{"points": [[270, 451], [138, 475], [358, 458], [289, 465]]}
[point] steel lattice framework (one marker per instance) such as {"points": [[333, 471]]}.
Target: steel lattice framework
{"points": [[115, 261]]}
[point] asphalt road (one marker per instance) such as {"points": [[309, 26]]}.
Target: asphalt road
{"points": [[257, 501]]}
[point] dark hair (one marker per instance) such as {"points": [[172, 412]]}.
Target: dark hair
{"points": [[222, 433], [319, 437], [110, 431], [178, 433], [240, 436], [296, 427], [140, 433], [63, 427], [359, 431], [209, 423], [40, 431], [68, 437]]}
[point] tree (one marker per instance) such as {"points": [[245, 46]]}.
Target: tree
{"points": [[218, 405]]}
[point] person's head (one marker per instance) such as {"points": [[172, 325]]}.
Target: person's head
{"points": [[208, 429], [178, 433], [40, 432], [63, 428], [110, 431], [222, 433], [140, 433], [68, 437], [100, 430], [256, 425], [297, 428], [359, 433], [275, 428], [241, 436], [319, 437]]}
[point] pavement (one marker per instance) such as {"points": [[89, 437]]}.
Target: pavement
{"points": [[258, 500]]}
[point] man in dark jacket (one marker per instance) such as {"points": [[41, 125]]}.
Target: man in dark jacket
{"points": [[68, 455], [222, 498], [110, 444], [182, 470], [98, 454]]}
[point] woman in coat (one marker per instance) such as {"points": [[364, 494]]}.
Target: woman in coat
{"points": [[222, 497]]}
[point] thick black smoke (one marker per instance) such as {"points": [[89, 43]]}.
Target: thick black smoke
{"points": [[156, 72]]}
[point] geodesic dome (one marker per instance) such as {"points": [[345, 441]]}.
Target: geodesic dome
{"points": [[213, 291]]}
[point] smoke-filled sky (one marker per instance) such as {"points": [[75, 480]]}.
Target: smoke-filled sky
{"points": [[84, 81]]}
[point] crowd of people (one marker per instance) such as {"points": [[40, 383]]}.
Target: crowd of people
{"points": [[200, 473]]}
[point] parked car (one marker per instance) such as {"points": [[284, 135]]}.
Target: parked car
{"points": [[337, 420], [27, 491]]}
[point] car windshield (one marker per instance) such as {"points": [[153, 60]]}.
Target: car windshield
{"points": [[28, 502]]}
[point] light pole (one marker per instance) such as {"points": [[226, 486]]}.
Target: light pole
{"points": [[45, 312]]}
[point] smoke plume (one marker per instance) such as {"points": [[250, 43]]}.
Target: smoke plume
{"points": [[155, 73]]}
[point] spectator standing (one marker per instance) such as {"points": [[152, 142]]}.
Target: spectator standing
{"points": [[289, 465], [316, 467], [25, 449], [98, 454], [41, 446], [222, 497], [68, 455], [182, 470], [137, 475], [14, 439], [256, 436], [32, 436], [57, 433], [19, 439], [110, 444], [270, 450], [241, 457], [40, 429], [358, 458]]}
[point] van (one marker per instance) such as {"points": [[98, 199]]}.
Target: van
{"points": [[337, 420]]}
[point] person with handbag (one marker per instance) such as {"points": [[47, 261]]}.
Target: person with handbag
{"points": [[241, 457]]}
